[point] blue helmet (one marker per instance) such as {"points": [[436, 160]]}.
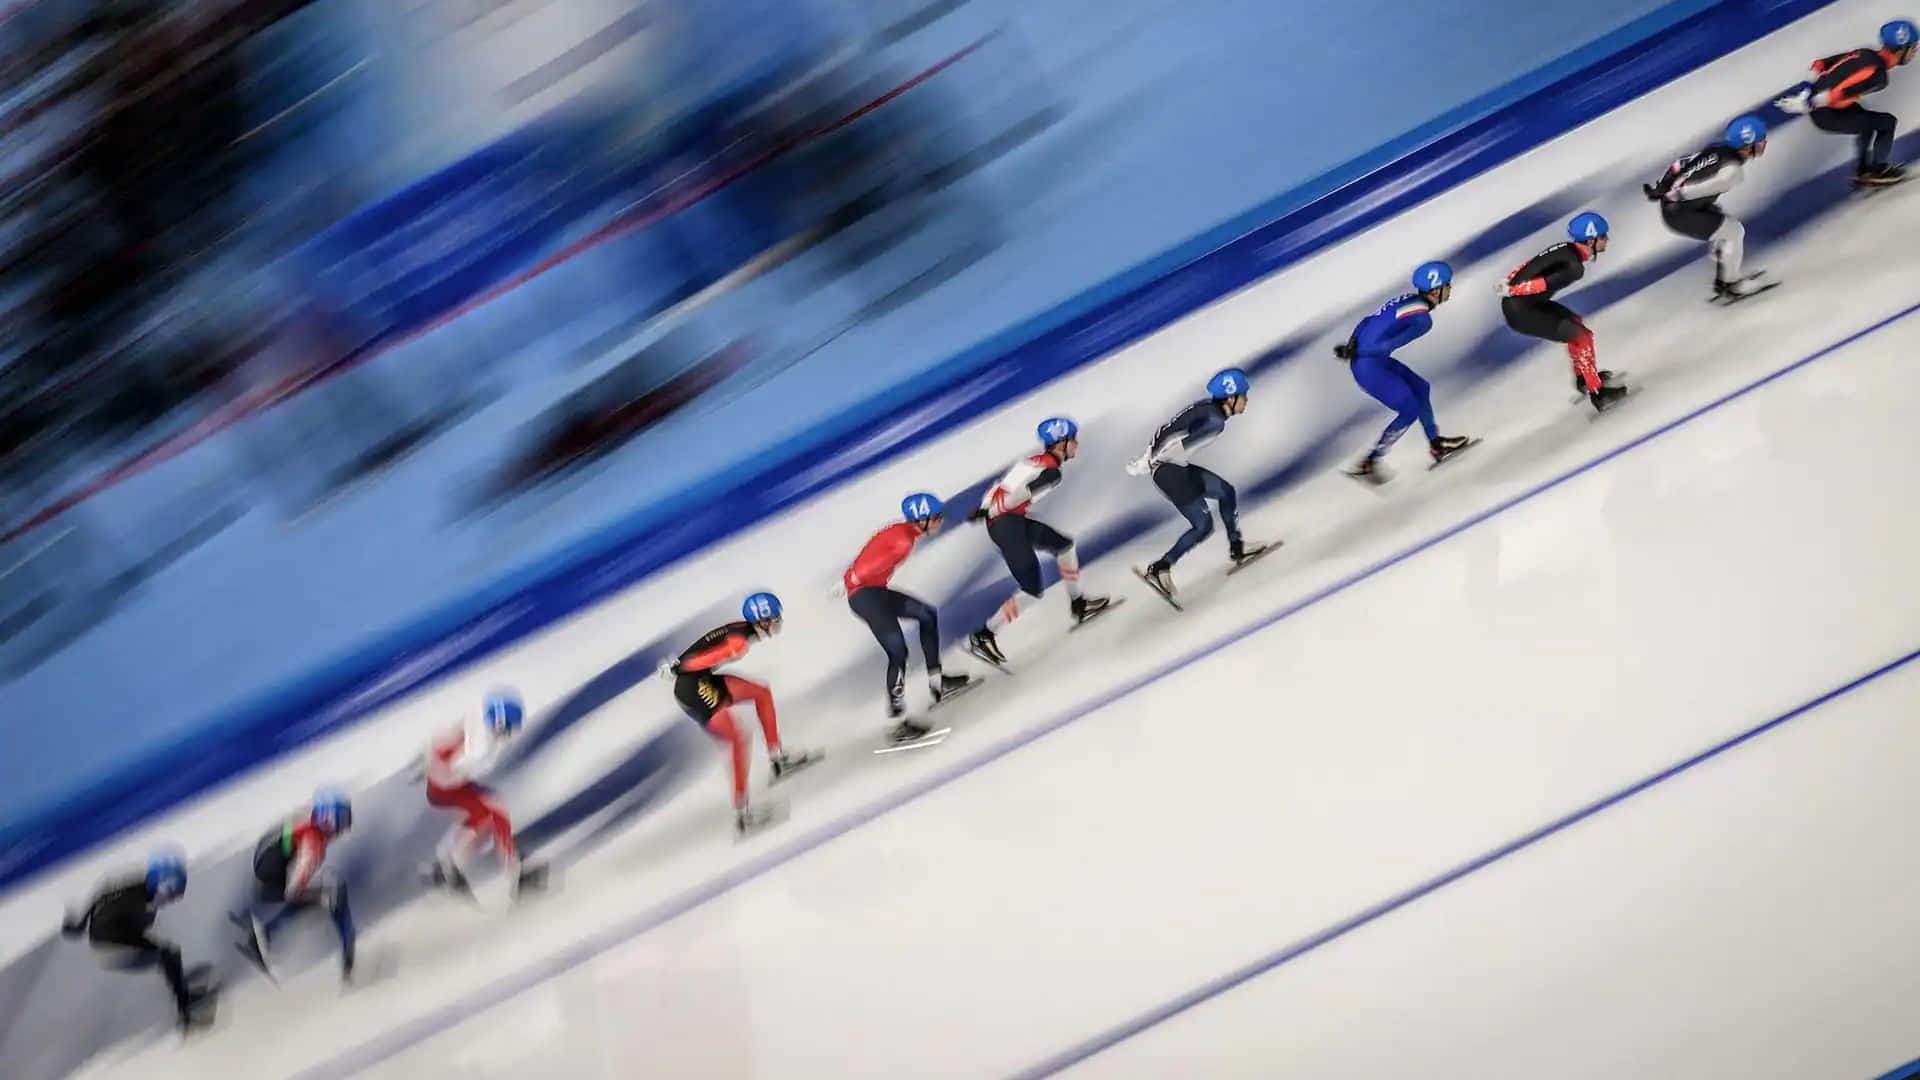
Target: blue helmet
{"points": [[332, 813], [760, 607], [166, 876], [1056, 429], [922, 507], [1431, 276], [1229, 383], [1899, 34], [1587, 226], [503, 712], [1746, 131]]}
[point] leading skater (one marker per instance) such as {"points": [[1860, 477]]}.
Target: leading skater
{"points": [[118, 925], [1400, 321], [1689, 197], [708, 697], [1833, 100]]}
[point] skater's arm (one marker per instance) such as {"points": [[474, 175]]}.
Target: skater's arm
{"points": [[731, 647], [1847, 82], [1410, 323], [306, 863]]}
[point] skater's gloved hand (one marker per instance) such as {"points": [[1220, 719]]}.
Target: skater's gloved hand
{"points": [[979, 513], [73, 925], [1520, 288], [1346, 350], [668, 670], [839, 590], [1652, 193], [1797, 104], [1140, 466]]}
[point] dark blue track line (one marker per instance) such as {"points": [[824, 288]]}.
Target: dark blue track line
{"points": [[451, 1012], [1120, 1033]]}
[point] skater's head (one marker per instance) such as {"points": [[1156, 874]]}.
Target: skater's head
{"points": [[1589, 230], [1748, 137], [166, 877], [1434, 282], [1898, 38], [762, 612], [1060, 437], [1228, 389], [503, 713], [332, 813], [924, 509]]}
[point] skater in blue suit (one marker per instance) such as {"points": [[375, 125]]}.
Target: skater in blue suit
{"points": [[1400, 321]]}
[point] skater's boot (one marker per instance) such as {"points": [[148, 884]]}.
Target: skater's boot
{"points": [[1879, 175], [945, 686], [896, 701], [907, 731], [1242, 552], [786, 763], [1086, 607], [1741, 287], [448, 876], [984, 645], [1370, 471], [747, 818], [1606, 397], [1446, 446], [1160, 577]]}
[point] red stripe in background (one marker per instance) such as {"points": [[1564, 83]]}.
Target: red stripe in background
{"points": [[261, 399]]}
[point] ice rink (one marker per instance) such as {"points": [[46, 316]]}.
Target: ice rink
{"points": [[1585, 755]]}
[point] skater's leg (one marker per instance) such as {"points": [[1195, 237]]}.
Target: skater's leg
{"points": [[1852, 120], [1178, 484], [1044, 537], [875, 608], [1422, 392], [1879, 150], [747, 690], [923, 613], [1222, 493], [1382, 383], [1009, 533], [334, 898], [1729, 244], [130, 949], [722, 727]]}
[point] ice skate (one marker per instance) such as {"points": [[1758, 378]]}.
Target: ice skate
{"points": [[1874, 177], [785, 763], [1090, 607], [896, 702], [1244, 554], [984, 645], [1159, 578], [1446, 446], [947, 687], [1368, 470], [750, 819], [530, 879], [913, 735], [1607, 397], [1732, 292]]}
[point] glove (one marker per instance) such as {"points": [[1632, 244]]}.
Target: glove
{"points": [[73, 925], [839, 590], [979, 513], [1521, 288], [1140, 466], [1502, 289], [1346, 350], [1652, 193], [1795, 104], [668, 670]]}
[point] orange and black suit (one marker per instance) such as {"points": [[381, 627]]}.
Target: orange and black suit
{"points": [[1845, 78]]}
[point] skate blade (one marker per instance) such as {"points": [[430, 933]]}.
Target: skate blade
{"points": [[1112, 602], [971, 686], [815, 757], [1142, 575], [931, 738], [1728, 299], [1631, 393], [1000, 665], [1244, 563], [766, 818], [1471, 443]]}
